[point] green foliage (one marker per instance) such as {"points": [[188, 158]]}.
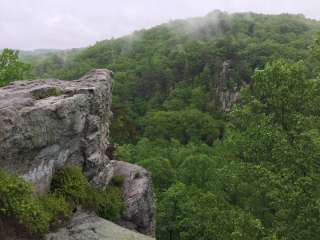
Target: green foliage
{"points": [[177, 66], [57, 207], [185, 126], [188, 213], [11, 68], [259, 181], [315, 56], [196, 170], [70, 183], [17, 201], [276, 169], [281, 89], [106, 203], [12, 190], [163, 174], [249, 174], [36, 214], [31, 215]]}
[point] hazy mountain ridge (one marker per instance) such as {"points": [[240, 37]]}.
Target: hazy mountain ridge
{"points": [[215, 25], [223, 110]]}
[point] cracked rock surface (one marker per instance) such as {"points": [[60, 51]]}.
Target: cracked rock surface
{"points": [[85, 226], [45, 124], [138, 195]]}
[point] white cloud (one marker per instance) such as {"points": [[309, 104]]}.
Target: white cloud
{"points": [[30, 24]]}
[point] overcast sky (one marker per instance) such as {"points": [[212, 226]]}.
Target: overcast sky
{"points": [[32, 24]]}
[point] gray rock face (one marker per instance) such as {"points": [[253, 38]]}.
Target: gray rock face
{"points": [[226, 97], [90, 227], [138, 196], [45, 124]]}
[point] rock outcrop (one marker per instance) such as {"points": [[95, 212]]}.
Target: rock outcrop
{"points": [[226, 95], [138, 196], [46, 124], [85, 226]]}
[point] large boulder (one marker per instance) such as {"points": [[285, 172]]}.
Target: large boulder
{"points": [[46, 124], [85, 226], [138, 195]]}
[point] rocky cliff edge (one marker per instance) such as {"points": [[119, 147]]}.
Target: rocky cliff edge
{"points": [[46, 124]]}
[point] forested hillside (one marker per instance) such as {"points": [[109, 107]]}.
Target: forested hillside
{"points": [[249, 172]]}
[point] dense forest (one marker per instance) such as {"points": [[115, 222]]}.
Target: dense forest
{"points": [[249, 172]]}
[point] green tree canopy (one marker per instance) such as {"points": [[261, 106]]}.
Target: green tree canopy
{"points": [[11, 68]]}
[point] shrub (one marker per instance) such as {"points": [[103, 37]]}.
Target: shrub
{"points": [[32, 216], [12, 190], [69, 187], [17, 201], [57, 208], [70, 183], [107, 203]]}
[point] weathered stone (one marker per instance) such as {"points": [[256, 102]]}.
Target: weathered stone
{"points": [[226, 96], [138, 196], [85, 226], [45, 124]]}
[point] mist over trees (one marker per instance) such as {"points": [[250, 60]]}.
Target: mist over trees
{"points": [[251, 173]]}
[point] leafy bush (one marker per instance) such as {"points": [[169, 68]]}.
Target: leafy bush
{"points": [[12, 190], [17, 201], [31, 215], [70, 183], [69, 188], [57, 208], [107, 203]]}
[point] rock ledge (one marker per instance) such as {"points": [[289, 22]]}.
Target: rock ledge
{"points": [[85, 226]]}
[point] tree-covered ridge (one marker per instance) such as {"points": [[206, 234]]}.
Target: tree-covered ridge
{"points": [[252, 173], [260, 181], [161, 67], [254, 37]]}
